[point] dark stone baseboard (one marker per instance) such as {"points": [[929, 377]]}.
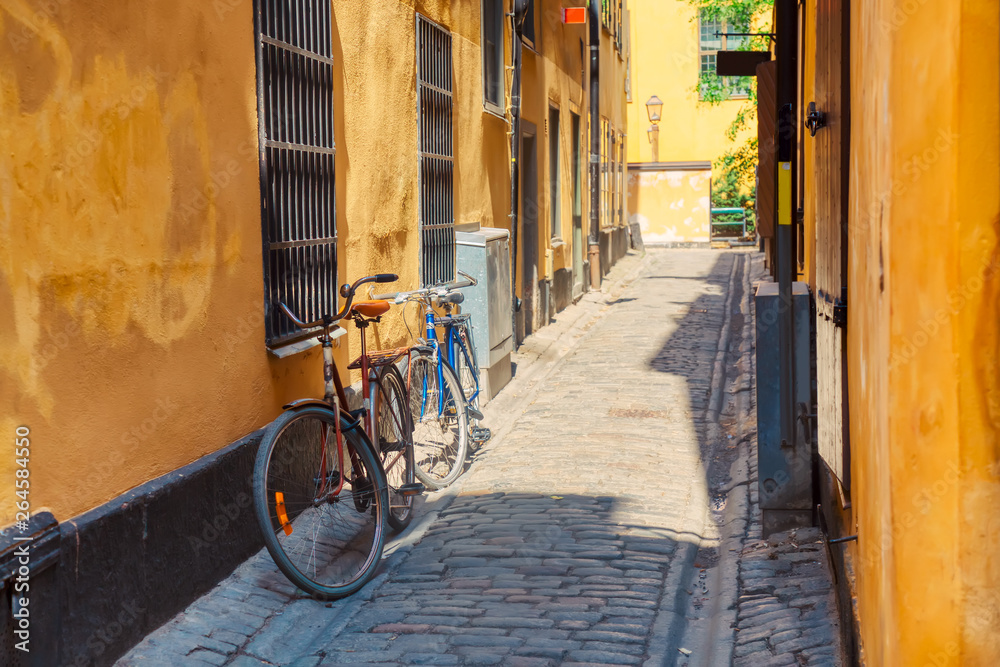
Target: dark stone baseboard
{"points": [[119, 571]]}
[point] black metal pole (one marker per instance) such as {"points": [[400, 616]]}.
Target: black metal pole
{"points": [[520, 8], [787, 40], [594, 240]]}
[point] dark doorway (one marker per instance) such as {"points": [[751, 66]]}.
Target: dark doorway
{"points": [[529, 230], [577, 239]]}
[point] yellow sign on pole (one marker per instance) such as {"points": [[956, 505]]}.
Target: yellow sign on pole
{"points": [[784, 193]]}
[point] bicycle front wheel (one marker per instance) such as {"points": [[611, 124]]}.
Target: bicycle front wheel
{"points": [[395, 437], [440, 427], [322, 514]]}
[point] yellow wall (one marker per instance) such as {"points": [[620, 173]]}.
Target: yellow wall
{"points": [[130, 261], [923, 335], [665, 62], [551, 76], [130, 267], [670, 206]]}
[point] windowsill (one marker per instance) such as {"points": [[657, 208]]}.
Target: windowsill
{"points": [[556, 242], [494, 110], [731, 98], [289, 349]]}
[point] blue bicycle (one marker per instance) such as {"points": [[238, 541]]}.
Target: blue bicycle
{"points": [[443, 384]]}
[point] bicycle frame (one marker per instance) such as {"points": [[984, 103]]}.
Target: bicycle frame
{"points": [[457, 345], [370, 403], [451, 338]]}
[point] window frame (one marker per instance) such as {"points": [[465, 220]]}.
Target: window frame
{"points": [[496, 108], [529, 20], [723, 46], [555, 189]]}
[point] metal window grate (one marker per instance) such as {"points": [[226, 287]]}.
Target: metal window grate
{"points": [[295, 106], [437, 210]]}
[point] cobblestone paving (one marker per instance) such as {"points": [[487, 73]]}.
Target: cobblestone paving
{"points": [[787, 613], [574, 536]]}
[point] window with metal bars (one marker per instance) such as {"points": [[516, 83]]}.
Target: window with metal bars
{"points": [[295, 111], [437, 210]]}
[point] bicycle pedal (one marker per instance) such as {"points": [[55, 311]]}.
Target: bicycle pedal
{"points": [[414, 489], [474, 412], [481, 434], [394, 446]]}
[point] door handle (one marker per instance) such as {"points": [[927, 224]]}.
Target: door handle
{"points": [[815, 119]]}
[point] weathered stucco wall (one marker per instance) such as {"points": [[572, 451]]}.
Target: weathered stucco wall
{"points": [[922, 334], [670, 206], [130, 268], [131, 243], [129, 198]]}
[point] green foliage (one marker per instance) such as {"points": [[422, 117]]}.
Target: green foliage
{"points": [[729, 192], [733, 12], [740, 162]]}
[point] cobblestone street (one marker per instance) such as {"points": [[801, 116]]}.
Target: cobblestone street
{"points": [[611, 520]]}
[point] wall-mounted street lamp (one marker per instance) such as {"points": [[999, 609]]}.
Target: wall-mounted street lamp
{"points": [[653, 108], [654, 105]]}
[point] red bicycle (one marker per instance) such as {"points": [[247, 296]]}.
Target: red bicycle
{"points": [[327, 480]]}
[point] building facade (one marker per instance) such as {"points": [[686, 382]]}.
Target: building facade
{"points": [[670, 161], [895, 171], [173, 172]]}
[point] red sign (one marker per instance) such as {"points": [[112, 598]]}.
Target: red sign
{"points": [[574, 14]]}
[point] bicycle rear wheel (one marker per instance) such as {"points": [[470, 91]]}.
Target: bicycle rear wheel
{"points": [[395, 438], [440, 427], [322, 518]]}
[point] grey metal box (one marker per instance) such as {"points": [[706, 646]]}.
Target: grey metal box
{"points": [[784, 472], [485, 255]]}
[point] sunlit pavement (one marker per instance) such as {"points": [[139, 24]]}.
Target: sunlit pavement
{"points": [[603, 524]]}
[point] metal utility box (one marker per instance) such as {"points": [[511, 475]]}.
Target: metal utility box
{"points": [[784, 471], [484, 253]]}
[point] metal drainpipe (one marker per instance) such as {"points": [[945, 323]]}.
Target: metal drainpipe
{"points": [[520, 10], [594, 15], [786, 20]]}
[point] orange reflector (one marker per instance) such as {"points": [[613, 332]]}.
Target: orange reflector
{"points": [[574, 15], [279, 507]]}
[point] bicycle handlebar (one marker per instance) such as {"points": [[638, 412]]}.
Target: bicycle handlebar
{"points": [[436, 290], [346, 291]]}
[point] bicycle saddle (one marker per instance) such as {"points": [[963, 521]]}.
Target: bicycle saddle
{"points": [[370, 308], [454, 298]]}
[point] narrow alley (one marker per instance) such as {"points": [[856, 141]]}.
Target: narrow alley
{"points": [[609, 521]]}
